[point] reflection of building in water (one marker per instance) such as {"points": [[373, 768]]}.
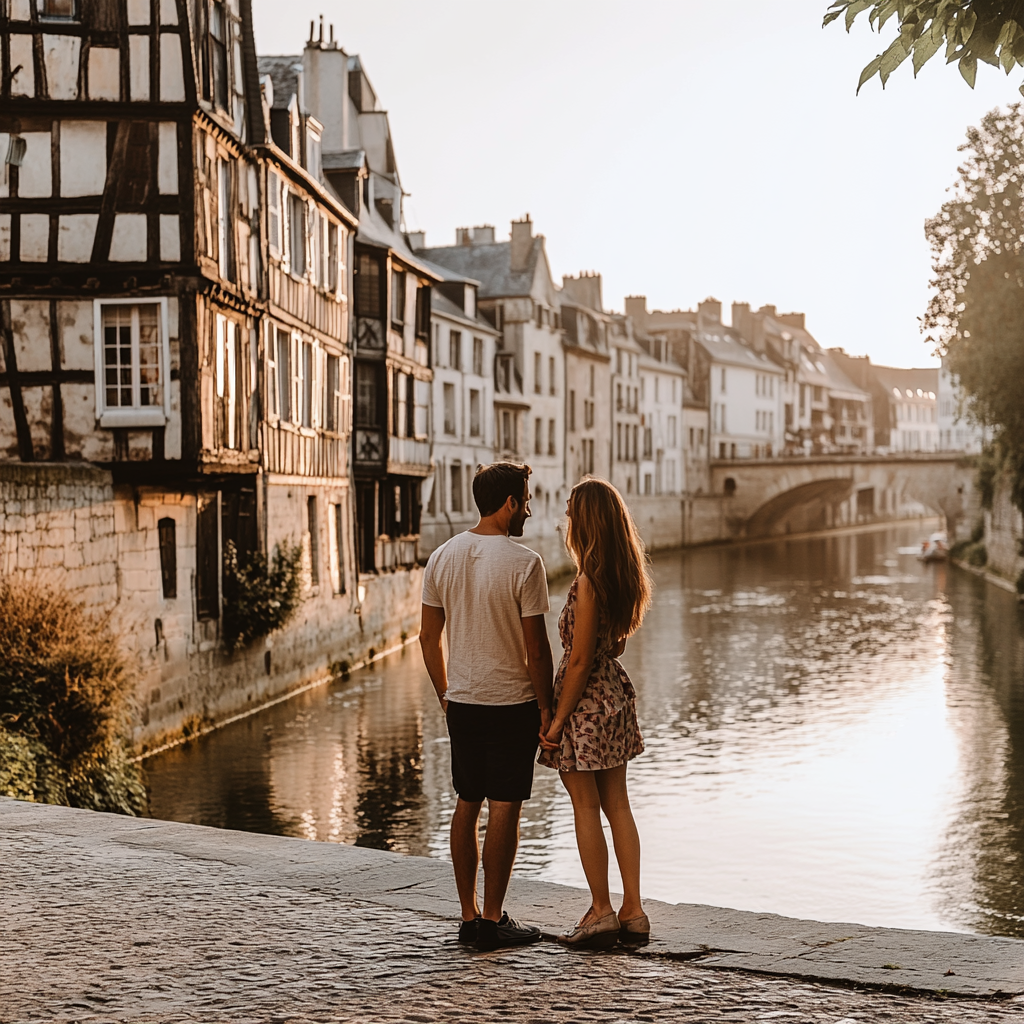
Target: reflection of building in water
{"points": [[979, 876]]}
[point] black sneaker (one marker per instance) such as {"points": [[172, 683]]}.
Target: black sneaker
{"points": [[504, 933], [467, 931]]}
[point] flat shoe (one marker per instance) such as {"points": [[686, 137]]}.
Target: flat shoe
{"points": [[601, 934], [636, 931]]}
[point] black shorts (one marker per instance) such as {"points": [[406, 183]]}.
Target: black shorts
{"points": [[493, 750]]}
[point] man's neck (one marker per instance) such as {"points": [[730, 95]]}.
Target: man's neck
{"points": [[491, 526]]}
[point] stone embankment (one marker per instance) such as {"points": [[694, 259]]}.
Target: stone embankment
{"points": [[107, 918]]}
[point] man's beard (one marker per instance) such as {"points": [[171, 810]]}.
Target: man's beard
{"points": [[515, 526]]}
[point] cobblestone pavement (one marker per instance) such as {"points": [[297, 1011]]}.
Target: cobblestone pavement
{"points": [[148, 936]]}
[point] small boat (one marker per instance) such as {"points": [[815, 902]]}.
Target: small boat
{"points": [[934, 549]]}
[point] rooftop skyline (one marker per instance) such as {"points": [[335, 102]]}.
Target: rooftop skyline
{"points": [[681, 151]]}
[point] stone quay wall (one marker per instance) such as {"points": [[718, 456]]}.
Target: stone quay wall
{"points": [[1004, 533], [71, 526]]}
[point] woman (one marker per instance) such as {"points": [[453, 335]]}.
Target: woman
{"points": [[594, 731]]}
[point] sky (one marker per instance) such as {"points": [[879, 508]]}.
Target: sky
{"points": [[681, 149]]}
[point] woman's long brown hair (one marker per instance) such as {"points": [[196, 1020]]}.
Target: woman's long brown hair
{"points": [[606, 547]]}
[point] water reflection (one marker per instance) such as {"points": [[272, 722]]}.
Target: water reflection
{"points": [[833, 730]]}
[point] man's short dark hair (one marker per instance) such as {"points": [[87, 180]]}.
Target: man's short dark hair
{"points": [[493, 485]]}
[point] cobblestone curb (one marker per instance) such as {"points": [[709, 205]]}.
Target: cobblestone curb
{"points": [[107, 918]]}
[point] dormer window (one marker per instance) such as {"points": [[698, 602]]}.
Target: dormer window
{"points": [[313, 136], [219, 53]]}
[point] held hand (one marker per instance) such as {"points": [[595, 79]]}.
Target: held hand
{"points": [[545, 721], [443, 700], [552, 740]]}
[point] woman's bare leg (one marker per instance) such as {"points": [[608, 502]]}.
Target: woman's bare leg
{"points": [[586, 807], [610, 784]]}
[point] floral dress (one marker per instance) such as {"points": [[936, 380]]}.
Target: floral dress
{"points": [[603, 731]]}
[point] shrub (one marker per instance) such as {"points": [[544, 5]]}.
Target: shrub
{"points": [[65, 698], [259, 598], [977, 555]]}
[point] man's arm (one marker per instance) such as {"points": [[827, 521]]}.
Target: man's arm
{"points": [[431, 628], [539, 665]]}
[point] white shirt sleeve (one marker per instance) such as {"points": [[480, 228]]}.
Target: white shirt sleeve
{"points": [[431, 594], [534, 596]]}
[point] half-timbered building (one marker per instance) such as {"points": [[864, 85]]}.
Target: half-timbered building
{"points": [[391, 302], [176, 278]]}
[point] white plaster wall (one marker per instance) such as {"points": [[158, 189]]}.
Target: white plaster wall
{"points": [[172, 79], [128, 242], [170, 238], [23, 81], [104, 73], [60, 57], [83, 157], [75, 235], [35, 179], [30, 329], [167, 162], [138, 65], [35, 237], [5, 231]]}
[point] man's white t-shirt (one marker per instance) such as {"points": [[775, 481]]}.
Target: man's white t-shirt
{"points": [[486, 584]]}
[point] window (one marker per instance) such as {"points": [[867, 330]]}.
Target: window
{"points": [[317, 247], [423, 312], [297, 234], [332, 257], [168, 557], [449, 408], [230, 381], [225, 233], [332, 398], [508, 439], [306, 384], [538, 436], [456, 487], [647, 483], [398, 297], [207, 556], [551, 437], [57, 9], [648, 443], [367, 412], [274, 212], [284, 374], [657, 382], [618, 442], [474, 413], [455, 350], [722, 382], [478, 356], [618, 397], [314, 541], [572, 410], [131, 362], [537, 383], [421, 411], [818, 394], [551, 375], [338, 538], [588, 414], [219, 53], [368, 290], [313, 153]]}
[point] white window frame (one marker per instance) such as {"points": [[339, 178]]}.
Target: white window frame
{"points": [[273, 395], [274, 211], [139, 416]]}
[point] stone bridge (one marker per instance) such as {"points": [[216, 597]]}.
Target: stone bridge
{"points": [[766, 497]]}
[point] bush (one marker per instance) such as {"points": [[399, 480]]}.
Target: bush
{"points": [[65, 697], [259, 598]]}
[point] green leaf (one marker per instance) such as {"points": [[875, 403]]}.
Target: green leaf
{"points": [[869, 71], [891, 60], [969, 70], [926, 48]]}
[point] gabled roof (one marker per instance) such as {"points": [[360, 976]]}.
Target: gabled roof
{"points": [[444, 306], [490, 264], [925, 378], [723, 345], [284, 77]]}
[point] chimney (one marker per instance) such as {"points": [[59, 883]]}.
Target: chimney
{"points": [[463, 237], [769, 311], [792, 320], [522, 244], [710, 309], [417, 239], [636, 307], [585, 289], [483, 234], [741, 318]]}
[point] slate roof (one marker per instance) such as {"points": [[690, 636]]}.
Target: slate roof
{"points": [[724, 346], [925, 378], [490, 264], [442, 304], [284, 77], [344, 161]]}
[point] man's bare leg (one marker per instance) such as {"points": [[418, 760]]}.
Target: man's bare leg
{"points": [[465, 847], [500, 846]]}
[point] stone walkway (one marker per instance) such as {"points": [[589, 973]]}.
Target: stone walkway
{"points": [[117, 919]]}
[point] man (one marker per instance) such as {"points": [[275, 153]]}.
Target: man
{"points": [[495, 688]]}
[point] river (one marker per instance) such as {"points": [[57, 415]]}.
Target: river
{"points": [[833, 730]]}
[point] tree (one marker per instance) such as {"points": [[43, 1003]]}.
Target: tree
{"points": [[977, 311], [990, 31]]}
